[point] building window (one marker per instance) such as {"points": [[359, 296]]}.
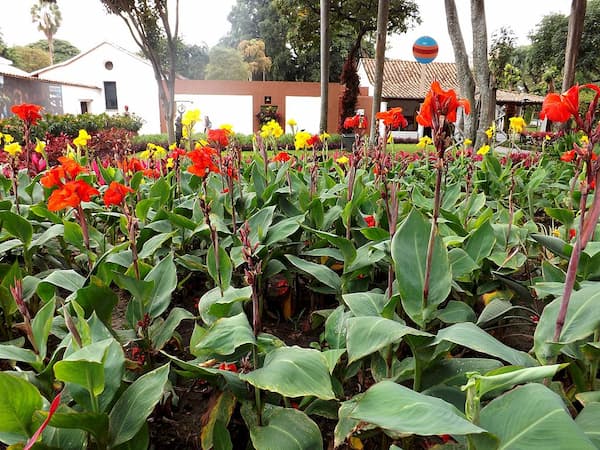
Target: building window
{"points": [[85, 107], [108, 65], [110, 95]]}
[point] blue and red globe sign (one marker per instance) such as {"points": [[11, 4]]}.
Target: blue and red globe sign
{"points": [[425, 49]]}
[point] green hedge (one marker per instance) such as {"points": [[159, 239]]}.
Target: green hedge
{"points": [[70, 124]]}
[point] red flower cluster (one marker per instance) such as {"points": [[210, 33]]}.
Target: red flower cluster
{"points": [[357, 121], [392, 118], [440, 103], [27, 113], [203, 161], [571, 155], [115, 193], [218, 136], [282, 157]]}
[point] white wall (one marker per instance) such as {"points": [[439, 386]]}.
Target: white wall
{"points": [[235, 110], [306, 111], [73, 95], [134, 77]]}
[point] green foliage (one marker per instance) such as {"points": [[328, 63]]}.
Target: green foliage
{"points": [[63, 50], [226, 64], [28, 58]]}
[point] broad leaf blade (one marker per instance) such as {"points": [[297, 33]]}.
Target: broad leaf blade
{"points": [[136, 403], [293, 372]]}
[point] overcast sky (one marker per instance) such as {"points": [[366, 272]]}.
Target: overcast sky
{"points": [[86, 24]]}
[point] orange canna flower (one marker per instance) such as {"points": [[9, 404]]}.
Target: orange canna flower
{"points": [[441, 103], [219, 136], [115, 193], [568, 156], [282, 157], [27, 112], [71, 167], [202, 161], [392, 118], [313, 140], [71, 194], [53, 177]]}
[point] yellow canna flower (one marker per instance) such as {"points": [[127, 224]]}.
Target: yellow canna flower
{"points": [[40, 147], [159, 152], [8, 138], [483, 150], [324, 136], [145, 154], [190, 117], [556, 233], [82, 139], [227, 127], [491, 130], [170, 163], [517, 124], [13, 149], [300, 140], [424, 142], [584, 139], [342, 160], [292, 122], [468, 142], [271, 128], [173, 146]]}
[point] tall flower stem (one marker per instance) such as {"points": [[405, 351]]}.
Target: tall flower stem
{"points": [[587, 226], [436, 212], [85, 233]]}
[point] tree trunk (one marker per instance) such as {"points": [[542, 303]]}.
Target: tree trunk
{"points": [[463, 71], [576, 19], [487, 93], [325, 44], [383, 13], [51, 48]]}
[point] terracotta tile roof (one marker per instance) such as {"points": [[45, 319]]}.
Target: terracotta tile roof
{"points": [[411, 80]]}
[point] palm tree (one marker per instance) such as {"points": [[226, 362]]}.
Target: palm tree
{"points": [[47, 16]]}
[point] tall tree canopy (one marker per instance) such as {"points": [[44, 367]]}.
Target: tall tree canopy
{"points": [[28, 58], [546, 54], [63, 50], [48, 18], [226, 63], [253, 52], [154, 25]]}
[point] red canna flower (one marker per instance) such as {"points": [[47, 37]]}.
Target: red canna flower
{"points": [[27, 112], [218, 136], [357, 121], [115, 193], [282, 157], [392, 118], [572, 233], [202, 161], [561, 107], [71, 194], [440, 103], [568, 156], [313, 140], [229, 367], [370, 220], [131, 165]]}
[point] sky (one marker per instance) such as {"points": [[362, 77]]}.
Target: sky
{"points": [[85, 23]]}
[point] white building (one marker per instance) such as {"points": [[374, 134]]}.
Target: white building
{"points": [[117, 78]]}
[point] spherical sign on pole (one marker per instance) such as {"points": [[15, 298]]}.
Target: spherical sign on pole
{"points": [[425, 49]]}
